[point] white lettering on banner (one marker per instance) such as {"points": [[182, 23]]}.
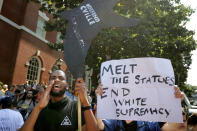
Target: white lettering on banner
{"points": [[139, 89], [90, 14]]}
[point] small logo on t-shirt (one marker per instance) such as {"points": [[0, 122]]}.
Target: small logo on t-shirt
{"points": [[66, 122]]}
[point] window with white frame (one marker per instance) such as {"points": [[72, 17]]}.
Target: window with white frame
{"points": [[1, 4], [33, 70], [40, 31]]}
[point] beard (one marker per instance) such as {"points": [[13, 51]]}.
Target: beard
{"points": [[58, 94]]}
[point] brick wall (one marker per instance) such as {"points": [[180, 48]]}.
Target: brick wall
{"points": [[31, 17], [14, 10], [28, 46], [18, 46]]}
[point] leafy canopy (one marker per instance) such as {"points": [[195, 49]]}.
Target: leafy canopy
{"points": [[160, 33]]}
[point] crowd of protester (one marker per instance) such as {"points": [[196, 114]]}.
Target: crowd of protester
{"points": [[18, 101], [24, 97]]}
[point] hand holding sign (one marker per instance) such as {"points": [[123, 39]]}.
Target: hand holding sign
{"points": [[99, 90], [139, 89], [178, 93], [81, 91]]}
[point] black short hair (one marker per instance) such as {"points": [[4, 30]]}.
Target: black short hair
{"points": [[6, 102], [192, 120], [17, 91], [55, 71]]}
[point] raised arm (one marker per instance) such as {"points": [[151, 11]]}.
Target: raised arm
{"points": [[30, 122], [90, 120]]}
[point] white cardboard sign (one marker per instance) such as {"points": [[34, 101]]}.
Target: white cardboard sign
{"points": [[139, 89]]}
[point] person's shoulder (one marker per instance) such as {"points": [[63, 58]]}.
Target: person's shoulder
{"points": [[12, 112], [8, 110], [1, 93], [147, 122], [18, 114], [110, 120], [110, 125], [151, 125]]}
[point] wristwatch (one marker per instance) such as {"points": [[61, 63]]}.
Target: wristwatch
{"points": [[86, 108]]}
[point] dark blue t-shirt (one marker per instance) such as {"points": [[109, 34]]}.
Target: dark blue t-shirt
{"points": [[118, 125]]}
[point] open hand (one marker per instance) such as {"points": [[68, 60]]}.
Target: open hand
{"points": [[46, 97]]}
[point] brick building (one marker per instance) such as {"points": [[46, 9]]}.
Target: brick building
{"points": [[24, 53]]}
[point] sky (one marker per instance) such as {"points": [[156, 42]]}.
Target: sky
{"points": [[191, 25]]}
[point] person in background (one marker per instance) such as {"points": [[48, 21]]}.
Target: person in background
{"points": [[11, 91], [26, 85], [22, 90], [1, 92], [40, 94], [168, 126], [34, 85], [192, 122], [129, 125], [16, 97], [4, 88], [39, 86], [35, 92], [10, 120], [89, 98], [93, 96], [44, 85], [68, 93], [26, 105]]}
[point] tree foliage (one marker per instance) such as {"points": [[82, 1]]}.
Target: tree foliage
{"points": [[188, 89], [160, 33]]}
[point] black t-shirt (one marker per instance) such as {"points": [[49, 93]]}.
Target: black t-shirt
{"points": [[59, 116]]}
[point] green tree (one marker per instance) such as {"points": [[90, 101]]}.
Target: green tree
{"points": [[188, 89], [160, 33]]}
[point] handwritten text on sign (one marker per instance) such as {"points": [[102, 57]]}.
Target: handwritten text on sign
{"points": [[139, 89]]}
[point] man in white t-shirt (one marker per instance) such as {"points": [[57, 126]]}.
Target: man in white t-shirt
{"points": [[10, 120]]}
